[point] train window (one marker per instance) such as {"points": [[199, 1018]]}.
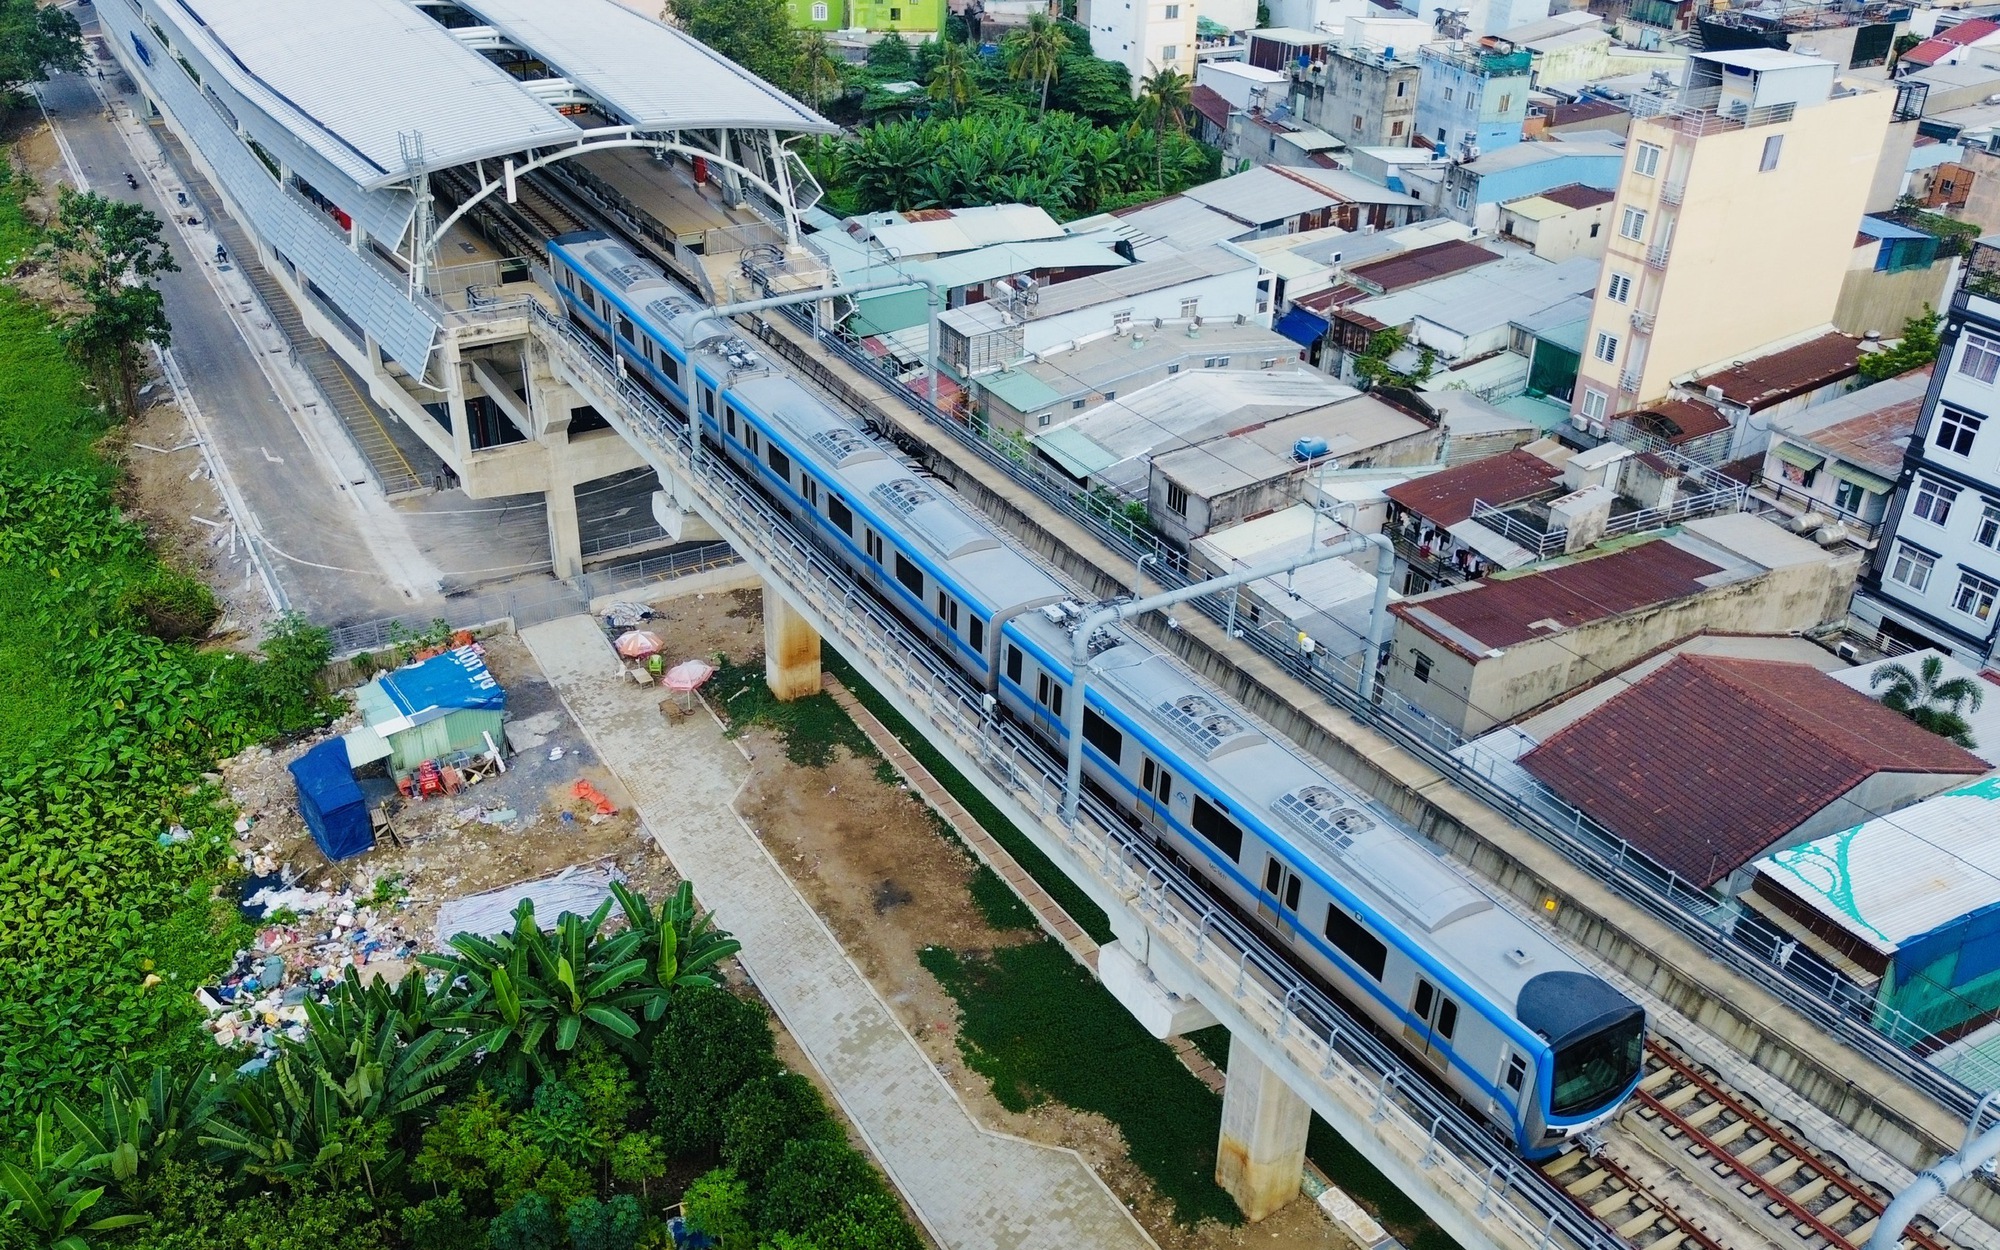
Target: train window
{"points": [[1292, 894], [1355, 942], [781, 464], [874, 546], [1220, 831], [1447, 1019], [624, 328], [1426, 998], [1098, 732], [840, 514], [750, 437], [1013, 664], [708, 402], [1517, 1072], [978, 632], [1157, 782], [812, 492], [1049, 694], [1274, 871], [671, 367], [909, 574]]}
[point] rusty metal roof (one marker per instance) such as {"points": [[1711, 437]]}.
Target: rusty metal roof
{"points": [[1767, 380], [1446, 497], [1421, 264]]}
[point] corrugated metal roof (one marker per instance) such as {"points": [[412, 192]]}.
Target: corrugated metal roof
{"points": [[1900, 876], [1074, 451], [351, 79], [1260, 196], [1485, 296], [1422, 264], [943, 231], [656, 77], [1446, 498], [1781, 375]]}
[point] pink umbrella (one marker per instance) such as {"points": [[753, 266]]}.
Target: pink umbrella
{"points": [[638, 644], [687, 675]]}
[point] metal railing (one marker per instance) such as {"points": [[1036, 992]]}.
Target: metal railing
{"points": [[1865, 531], [1543, 542], [1334, 1053], [1700, 916]]}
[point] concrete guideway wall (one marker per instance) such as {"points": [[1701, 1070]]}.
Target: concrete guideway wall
{"points": [[1904, 1123], [1463, 1177]]}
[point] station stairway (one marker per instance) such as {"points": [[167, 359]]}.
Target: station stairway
{"points": [[367, 426]]}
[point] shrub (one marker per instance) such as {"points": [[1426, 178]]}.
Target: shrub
{"points": [[613, 1225], [638, 1159], [767, 1113], [562, 1125], [169, 605], [710, 1043], [529, 1224], [869, 1221], [718, 1204], [604, 1083], [441, 1223], [811, 1179]]}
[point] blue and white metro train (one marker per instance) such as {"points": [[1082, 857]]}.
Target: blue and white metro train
{"points": [[1518, 1029]]}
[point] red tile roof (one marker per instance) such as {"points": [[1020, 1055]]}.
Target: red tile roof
{"points": [[1767, 380], [1708, 762], [1576, 195], [1421, 264], [1446, 497], [1210, 104], [1500, 612]]}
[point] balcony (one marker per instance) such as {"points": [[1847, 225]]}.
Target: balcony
{"points": [[1656, 256], [1642, 322], [1628, 381], [1673, 192]]}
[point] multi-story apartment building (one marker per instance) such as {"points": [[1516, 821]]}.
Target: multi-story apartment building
{"points": [[1936, 575], [908, 17], [1363, 95], [1734, 222], [1145, 36], [1471, 99]]}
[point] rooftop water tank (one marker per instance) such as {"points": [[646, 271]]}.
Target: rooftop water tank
{"points": [[1309, 449]]}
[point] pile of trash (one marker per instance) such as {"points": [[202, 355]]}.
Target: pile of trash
{"points": [[302, 951]]}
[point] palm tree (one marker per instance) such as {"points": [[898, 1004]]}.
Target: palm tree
{"points": [[1928, 699], [952, 78], [818, 69], [1164, 98], [1035, 52]]}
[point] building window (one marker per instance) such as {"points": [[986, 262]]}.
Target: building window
{"points": [[1633, 225], [1357, 122], [1956, 430], [1619, 289], [1988, 533], [1076, 405], [1395, 129], [895, 15], [1215, 362], [1170, 53], [1595, 226], [1122, 319], [1420, 666], [1594, 403], [1646, 161], [1440, 134], [1447, 95], [1463, 198], [1912, 568], [1606, 348], [1189, 308], [1176, 499], [1400, 85], [819, 13], [1772, 146], [1042, 420], [1934, 500], [1173, 11], [1850, 497], [1174, 368], [1975, 595], [1506, 102], [1981, 358], [1270, 362]]}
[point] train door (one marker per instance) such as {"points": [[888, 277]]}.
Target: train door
{"points": [[1279, 903], [1048, 706], [1158, 783], [944, 626], [1436, 1023]]}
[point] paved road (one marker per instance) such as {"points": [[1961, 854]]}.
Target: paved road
{"points": [[974, 1189]]}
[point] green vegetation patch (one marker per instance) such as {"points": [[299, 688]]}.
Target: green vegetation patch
{"points": [[1037, 1026], [810, 728]]}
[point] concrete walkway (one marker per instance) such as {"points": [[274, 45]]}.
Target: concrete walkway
{"points": [[973, 1189]]}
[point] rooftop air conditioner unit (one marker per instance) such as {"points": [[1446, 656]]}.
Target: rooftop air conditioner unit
{"points": [[1847, 651]]}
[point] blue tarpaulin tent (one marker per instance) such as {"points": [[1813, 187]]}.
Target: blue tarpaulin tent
{"points": [[331, 802], [1302, 326]]}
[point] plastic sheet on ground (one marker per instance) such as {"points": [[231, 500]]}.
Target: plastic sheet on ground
{"points": [[578, 890], [625, 614]]}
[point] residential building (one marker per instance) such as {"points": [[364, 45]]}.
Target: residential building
{"points": [[1765, 388], [1329, 602], [1894, 273], [1471, 98], [1059, 385], [1430, 518], [826, 15], [1489, 652], [1462, 313], [1145, 36], [1951, 45], [1249, 472], [1560, 223], [1936, 574], [1839, 462], [1281, 47], [1565, 119], [1700, 805], [1569, 49], [1243, 85], [1473, 191], [1363, 94], [1734, 221], [1901, 908], [909, 18]]}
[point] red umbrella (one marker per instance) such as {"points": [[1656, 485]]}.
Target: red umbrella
{"points": [[687, 675], [638, 644]]}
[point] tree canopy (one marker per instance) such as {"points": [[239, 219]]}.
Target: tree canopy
{"points": [[35, 41], [1917, 348]]}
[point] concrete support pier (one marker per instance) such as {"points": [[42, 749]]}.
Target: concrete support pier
{"points": [[565, 533], [1262, 1156], [791, 649]]}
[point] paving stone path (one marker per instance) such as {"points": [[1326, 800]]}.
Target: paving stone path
{"points": [[972, 1188]]}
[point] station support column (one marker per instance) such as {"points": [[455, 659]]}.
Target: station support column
{"points": [[791, 649], [1262, 1156], [565, 534]]}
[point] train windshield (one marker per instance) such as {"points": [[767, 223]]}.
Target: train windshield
{"points": [[1598, 1067]]}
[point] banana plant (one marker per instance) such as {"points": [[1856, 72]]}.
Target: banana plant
{"points": [[682, 943], [138, 1127], [49, 1199]]}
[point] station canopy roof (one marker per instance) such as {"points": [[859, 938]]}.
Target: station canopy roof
{"points": [[351, 79], [655, 77]]}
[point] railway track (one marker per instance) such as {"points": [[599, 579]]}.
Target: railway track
{"points": [[1700, 1165]]}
